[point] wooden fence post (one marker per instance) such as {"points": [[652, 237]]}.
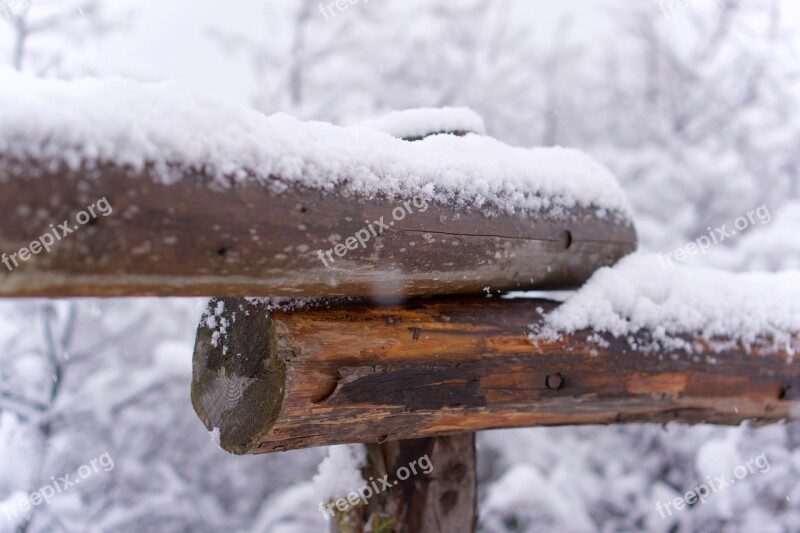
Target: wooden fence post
{"points": [[442, 500]]}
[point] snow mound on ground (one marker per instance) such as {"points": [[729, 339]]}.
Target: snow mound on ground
{"points": [[83, 122], [419, 122], [640, 294], [340, 472]]}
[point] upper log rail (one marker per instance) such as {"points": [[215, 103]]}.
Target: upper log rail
{"points": [[280, 380], [192, 237]]}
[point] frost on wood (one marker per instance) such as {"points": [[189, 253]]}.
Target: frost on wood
{"points": [[297, 304], [415, 123], [87, 122], [639, 294]]}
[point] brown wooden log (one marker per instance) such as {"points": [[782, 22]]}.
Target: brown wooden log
{"points": [[195, 238], [280, 380], [445, 499]]}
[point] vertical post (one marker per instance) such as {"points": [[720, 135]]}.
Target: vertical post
{"points": [[443, 499]]}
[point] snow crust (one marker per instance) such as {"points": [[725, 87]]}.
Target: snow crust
{"points": [[85, 121], [425, 120], [639, 294]]}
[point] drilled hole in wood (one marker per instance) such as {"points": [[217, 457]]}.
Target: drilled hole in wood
{"points": [[566, 239], [555, 381], [222, 250]]}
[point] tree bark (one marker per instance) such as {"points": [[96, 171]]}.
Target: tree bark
{"points": [[280, 380]]}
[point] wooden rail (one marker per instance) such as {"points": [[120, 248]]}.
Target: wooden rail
{"points": [[192, 238], [282, 380]]}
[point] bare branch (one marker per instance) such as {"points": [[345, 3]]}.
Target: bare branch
{"points": [[110, 340], [23, 407], [54, 353]]}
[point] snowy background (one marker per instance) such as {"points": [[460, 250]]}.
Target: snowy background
{"points": [[694, 108]]}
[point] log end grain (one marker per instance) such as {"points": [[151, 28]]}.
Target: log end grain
{"points": [[237, 382]]}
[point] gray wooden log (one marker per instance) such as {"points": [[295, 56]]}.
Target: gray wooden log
{"points": [[191, 238]]}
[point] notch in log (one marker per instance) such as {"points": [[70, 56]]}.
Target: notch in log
{"points": [[279, 380]]}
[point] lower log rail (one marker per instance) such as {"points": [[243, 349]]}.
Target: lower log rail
{"points": [[280, 380], [421, 378]]}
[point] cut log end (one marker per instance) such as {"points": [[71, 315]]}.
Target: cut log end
{"points": [[238, 382]]}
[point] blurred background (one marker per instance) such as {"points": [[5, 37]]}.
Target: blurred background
{"points": [[693, 104]]}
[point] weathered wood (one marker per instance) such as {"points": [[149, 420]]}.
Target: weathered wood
{"points": [[193, 237], [443, 499], [283, 380]]}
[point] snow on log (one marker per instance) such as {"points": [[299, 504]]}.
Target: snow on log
{"points": [[268, 379], [205, 198], [415, 124], [645, 293]]}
